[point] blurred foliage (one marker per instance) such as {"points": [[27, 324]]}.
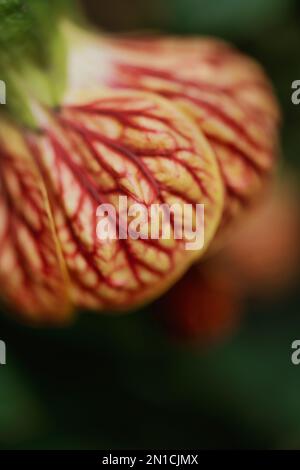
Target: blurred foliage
{"points": [[26, 29], [120, 382]]}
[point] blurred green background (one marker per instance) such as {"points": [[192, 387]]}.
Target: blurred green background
{"points": [[122, 382]]}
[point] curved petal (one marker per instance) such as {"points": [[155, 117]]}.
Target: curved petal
{"points": [[32, 272], [100, 146], [226, 93]]}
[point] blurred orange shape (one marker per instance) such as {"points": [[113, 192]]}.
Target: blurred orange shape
{"points": [[203, 306], [264, 252]]}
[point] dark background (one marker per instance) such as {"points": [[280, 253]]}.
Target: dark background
{"points": [[123, 382]]}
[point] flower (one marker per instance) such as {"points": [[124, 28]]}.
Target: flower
{"points": [[155, 120]]}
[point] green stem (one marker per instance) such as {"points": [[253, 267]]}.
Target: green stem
{"points": [[33, 55]]}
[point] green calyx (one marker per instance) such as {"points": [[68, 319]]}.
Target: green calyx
{"points": [[32, 55]]}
